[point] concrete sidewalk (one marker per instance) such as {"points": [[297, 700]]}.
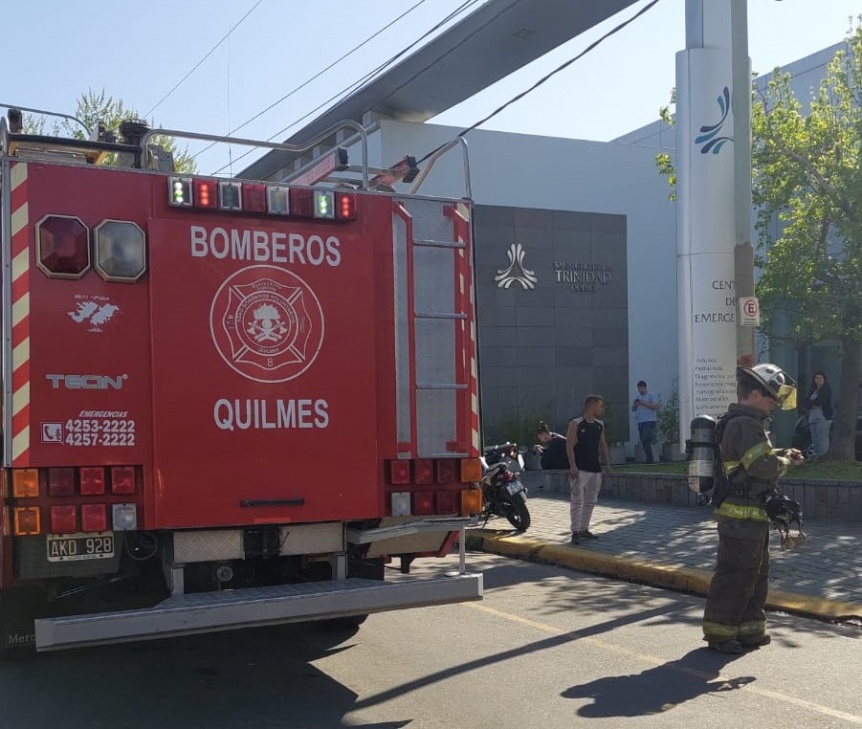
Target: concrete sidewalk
{"points": [[675, 547]]}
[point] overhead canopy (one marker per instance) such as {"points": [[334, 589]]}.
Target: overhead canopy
{"points": [[486, 46]]}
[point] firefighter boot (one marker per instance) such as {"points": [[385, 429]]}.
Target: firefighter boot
{"points": [[730, 646]]}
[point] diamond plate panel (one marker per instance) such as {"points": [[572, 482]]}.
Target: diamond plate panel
{"points": [[312, 538], [207, 546]]}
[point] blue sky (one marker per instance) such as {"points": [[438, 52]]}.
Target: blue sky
{"points": [[55, 51]]}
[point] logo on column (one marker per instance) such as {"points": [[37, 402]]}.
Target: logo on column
{"points": [[516, 273], [267, 324], [709, 135]]}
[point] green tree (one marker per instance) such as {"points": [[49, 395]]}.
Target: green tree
{"points": [[92, 108], [808, 194]]}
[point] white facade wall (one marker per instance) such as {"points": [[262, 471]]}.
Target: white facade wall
{"points": [[563, 174]]}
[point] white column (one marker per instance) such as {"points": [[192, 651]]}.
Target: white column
{"points": [[706, 221]]}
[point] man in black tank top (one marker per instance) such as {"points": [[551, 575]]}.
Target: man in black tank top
{"points": [[585, 439]]}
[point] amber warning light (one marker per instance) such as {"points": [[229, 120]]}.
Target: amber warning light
{"points": [[262, 199]]}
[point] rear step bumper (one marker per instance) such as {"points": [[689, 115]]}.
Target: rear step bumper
{"points": [[232, 609]]}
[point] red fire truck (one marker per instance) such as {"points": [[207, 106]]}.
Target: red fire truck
{"points": [[226, 403]]}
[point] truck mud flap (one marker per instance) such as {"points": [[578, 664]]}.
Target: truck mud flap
{"points": [[254, 607]]}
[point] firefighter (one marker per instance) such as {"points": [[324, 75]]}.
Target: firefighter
{"points": [[734, 619]]}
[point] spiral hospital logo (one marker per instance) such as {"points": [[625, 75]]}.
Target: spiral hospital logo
{"points": [[516, 272], [709, 135]]}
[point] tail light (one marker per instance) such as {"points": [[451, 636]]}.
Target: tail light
{"points": [[448, 470], [92, 481], [25, 483], [423, 502], [447, 502], [399, 472], [64, 519], [63, 246], [423, 471], [94, 518], [122, 479], [61, 482], [28, 521], [471, 502]]}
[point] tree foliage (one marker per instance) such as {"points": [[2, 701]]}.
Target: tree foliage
{"points": [[95, 107], [807, 191]]}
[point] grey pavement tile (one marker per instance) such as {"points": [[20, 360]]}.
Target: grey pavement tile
{"points": [[827, 565]]}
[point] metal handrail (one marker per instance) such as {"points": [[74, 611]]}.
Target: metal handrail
{"points": [[282, 146], [439, 153], [50, 113]]}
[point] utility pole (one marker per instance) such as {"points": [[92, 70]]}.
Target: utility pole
{"points": [[743, 253]]}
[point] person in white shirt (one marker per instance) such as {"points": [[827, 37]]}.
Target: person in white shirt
{"points": [[645, 407]]}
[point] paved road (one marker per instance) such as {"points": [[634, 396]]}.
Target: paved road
{"points": [[548, 647]]}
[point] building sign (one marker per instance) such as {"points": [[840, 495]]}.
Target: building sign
{"points": [[516, 273], [582, 278]]}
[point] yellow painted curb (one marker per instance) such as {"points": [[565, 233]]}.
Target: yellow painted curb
{"points": [[676, 577]]}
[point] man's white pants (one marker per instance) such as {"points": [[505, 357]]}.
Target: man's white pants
{"points": [[584, 491]]}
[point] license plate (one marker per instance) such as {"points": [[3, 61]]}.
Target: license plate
{"points": [[514, 487], [75, 547]]}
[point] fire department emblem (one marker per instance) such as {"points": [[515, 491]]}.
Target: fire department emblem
{"points": [[267, 324]]}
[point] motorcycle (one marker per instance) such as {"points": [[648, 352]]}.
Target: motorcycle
{"points": [[503, 492]]}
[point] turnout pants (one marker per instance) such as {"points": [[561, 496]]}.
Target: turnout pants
{"points": [[737, 593]]}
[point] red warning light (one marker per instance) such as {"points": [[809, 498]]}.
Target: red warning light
{"points": [[206, 194]]}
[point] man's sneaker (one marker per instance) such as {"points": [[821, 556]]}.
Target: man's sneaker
{"points": [[587, 534], [575, 539], [731, 646], [754, 643]]}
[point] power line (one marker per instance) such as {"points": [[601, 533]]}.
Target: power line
{"points": [[542, 80], [367, 77], [198, 64], [312, 78]]}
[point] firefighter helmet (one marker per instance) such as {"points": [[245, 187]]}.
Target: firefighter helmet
{"points": [[773, 380]]}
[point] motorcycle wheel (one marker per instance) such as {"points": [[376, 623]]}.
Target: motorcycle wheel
{"points": [[516, 511]]}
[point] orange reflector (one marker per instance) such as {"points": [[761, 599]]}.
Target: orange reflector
{"points": [[471, 502], [423, 470], [25, 482], [4, 484], [64, 519], [471, 470], [447, 502], [5, 526], [423, 502], [27, 521]]}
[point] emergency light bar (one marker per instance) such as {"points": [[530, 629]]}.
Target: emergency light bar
{"points": [[261, 198]]}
